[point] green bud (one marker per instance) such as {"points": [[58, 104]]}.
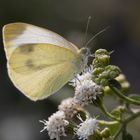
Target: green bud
{"points": [[104, 60], [104, 82], [106, 133], [113, 71], [107, 90], [97, 71], [113, 74], [97, 81], [101, 52], [104, 75], [113, 68], [95, 61]]}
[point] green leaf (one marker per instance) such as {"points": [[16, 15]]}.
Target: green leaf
{"points": [[115, 83], [114, 128]]}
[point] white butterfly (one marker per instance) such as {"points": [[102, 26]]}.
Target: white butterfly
{"points": [[40, 61]]}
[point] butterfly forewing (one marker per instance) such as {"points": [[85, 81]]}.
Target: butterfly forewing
{"points": [[39, 70], [16, 34]]}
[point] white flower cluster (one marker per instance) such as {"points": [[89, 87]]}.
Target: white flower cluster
{"points": [[69, 107], [85, 92], [86, 75], [86, 128], [85, 89], [55, 125]]}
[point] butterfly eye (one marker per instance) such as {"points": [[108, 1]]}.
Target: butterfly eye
{"points": [[85, 51]]}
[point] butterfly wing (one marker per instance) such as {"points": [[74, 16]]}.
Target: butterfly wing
{"points": [[16, 34], [39, 70]]}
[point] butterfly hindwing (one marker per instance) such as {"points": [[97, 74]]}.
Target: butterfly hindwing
{"points": [[39, 70]]}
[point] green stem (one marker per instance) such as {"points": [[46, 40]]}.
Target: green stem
{"points": [[104, 110], [122, 96], [106, 123], [118, 133]]}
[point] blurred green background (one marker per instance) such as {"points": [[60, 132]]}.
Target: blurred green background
{"points": [[19, 117]]}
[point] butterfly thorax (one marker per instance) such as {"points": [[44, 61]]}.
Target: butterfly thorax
{"points": [[84, 53]]}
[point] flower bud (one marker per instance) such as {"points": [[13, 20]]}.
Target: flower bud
{"points": [[124, 83], [97, 71], [113, 71], [102, 58], [104, 82], [101, 52]]}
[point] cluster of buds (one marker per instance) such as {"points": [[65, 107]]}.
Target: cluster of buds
{"points": [[103, 72]]}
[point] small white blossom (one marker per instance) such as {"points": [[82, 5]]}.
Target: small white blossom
{"points": [[86, 92], [86, 75], [69, 107], [55, 125], [86, 128]]}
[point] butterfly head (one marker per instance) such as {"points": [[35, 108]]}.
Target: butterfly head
{"points": [[84, 53]]}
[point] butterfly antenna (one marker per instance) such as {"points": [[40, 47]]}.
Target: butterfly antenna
{"points": [[97, 35], [87, 26]]}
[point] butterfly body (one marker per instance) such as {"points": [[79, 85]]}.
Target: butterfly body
{"points": [[40, 61]]}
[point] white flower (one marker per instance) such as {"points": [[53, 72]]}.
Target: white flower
{"points": [[55, 125], [86, 128], [86, 92], [69, 107], [86, 75]]}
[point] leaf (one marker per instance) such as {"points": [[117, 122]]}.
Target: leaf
{"points": [[114, 128], [115, 83]]}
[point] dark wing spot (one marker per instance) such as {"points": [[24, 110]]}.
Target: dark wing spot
{"points": [[30, 64], [25, 49]]}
